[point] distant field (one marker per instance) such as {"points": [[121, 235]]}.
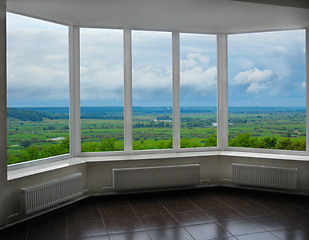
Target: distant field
{"points": [[46, 129]]}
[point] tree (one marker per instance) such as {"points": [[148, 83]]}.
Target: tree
{"points": [[25, 143], [185, 143], [107, 144], [211, 141]]}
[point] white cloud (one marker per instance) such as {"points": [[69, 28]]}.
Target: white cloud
{"points": [[254, 79], [150, 83], [37, 65], [194, 59], [100, 82], [196, 77], [198, 81]]}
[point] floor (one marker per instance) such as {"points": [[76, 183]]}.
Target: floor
{"points": [[210, 213]]}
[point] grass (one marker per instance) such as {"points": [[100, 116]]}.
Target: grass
{"points": [[195, 127]]}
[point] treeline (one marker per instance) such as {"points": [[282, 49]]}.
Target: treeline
{"points": [[245, 140], [26, 115], [108, 144], [152, 124], [34, 152], [101, 116]]}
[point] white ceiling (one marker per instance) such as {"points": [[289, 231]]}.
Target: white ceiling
{"points": [[205, 16]]}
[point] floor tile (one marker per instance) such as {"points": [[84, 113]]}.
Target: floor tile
{"points": [[17, 232], [272, 222], [207, 201], [115, 209], [159, 221], [170, 234], [130, 236], [176, 205], [147, 207], [90, 228], [191, 218], [240, 227], [295, 233], [258, 236], [251, 210], [50, 226], [224, 214], [99, 237], [207, 231], [125, 224], [85, 210]]}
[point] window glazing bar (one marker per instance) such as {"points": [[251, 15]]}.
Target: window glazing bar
{"points": [[74, 73], [307, 90], [127, 40], [176, 90], [222, 92]]}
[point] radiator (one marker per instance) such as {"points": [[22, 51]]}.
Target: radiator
{"points": [[274, 177], [154, 177], [47, 194]]}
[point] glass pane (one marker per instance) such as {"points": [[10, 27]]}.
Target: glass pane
{"points": [[152, 90], [267, 90], [38, 89], [101, 90], [198, 90]]}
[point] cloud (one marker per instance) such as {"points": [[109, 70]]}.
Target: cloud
{"points": [[194, 59], [197, 78], [255, 80], [37, 66], [152, 84], [303, 84]]}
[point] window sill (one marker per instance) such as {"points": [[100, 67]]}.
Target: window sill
{"points": [[25, 170]]}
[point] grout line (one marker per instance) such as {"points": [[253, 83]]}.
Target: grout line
{"points": [[66, 222], [27, 233], [138, 218], [98, 208]]}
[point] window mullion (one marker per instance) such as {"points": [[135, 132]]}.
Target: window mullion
{"points": [[222, 101], [74, 71], [127, 90], [307, 90], [176, 91]]}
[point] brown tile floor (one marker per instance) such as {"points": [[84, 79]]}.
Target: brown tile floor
{"points": [[211, 213]]}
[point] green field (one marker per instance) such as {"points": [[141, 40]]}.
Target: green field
{"points": [[102, 129]]}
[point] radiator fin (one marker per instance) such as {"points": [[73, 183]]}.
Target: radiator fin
{"points": [[153, 177], [274, 177], [45, 195]]}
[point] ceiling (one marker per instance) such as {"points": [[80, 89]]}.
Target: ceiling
{"points": [[288, 3], [204, 16]]}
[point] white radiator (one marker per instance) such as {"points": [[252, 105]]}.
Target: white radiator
{"points": [[154, 177], [274, 177], [47, 194]]}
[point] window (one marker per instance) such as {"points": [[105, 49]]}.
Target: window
{"points": [[152, 90], [198, 90], [37, 92], [101, 90], [267, 90]]}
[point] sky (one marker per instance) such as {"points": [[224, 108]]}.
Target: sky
{"points": [[265, 69]]}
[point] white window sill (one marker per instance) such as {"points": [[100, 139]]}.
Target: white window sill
{"points": [[28, 169]]}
